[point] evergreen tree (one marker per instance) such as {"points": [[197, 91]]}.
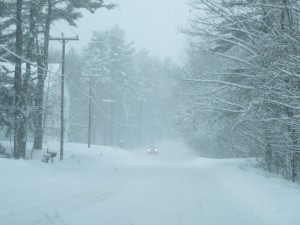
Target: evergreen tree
{"points": [[68, 11]]}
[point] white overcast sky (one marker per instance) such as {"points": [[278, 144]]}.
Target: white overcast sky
{"points": [[151, 24]]}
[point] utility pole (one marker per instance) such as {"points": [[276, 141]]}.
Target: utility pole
{"points": [[90, 112], [63, 40], [108, 132]]}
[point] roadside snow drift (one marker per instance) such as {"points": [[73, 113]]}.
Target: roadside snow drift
{"points": [[110, 186]]}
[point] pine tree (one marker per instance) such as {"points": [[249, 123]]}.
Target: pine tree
{"points": [[68, 11]]}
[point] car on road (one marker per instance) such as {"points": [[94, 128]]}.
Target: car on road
{"points": [[152, 150]]}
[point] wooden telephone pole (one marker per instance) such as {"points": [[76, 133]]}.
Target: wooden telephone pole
{"points": [[90, 112], [63, 40]]}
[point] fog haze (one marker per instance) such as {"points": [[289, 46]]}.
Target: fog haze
{"points": [[157, 112], [150, 24]]}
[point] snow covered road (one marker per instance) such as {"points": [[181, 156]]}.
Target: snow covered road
{"points": [[166, 195], [124, 188]]}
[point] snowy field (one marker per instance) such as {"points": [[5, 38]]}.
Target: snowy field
{"points": [[108, 186]]}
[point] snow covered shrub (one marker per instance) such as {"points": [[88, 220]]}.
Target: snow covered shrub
{"points": [[4, 152]]}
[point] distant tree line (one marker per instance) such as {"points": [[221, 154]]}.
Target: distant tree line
{"points": [[131, 92]]}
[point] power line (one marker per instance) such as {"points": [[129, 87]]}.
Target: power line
{"points": [[58, 29], [82, 92], [20, 57], [85, 94], [98, 107], [45, 70], [74, 32], [122, 123]]}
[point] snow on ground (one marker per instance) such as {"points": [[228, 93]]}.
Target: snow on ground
{"points": [[110, 186], [268, 195]]}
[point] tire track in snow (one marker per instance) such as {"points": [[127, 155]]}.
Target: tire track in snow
{"points": [[61, 202]]}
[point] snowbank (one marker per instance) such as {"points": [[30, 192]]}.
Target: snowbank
{"points": [[88, 180], [268, 195]]}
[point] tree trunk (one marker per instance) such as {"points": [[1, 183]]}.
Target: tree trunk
{"points": [[20, 104], [268, 152], [38, 131], [39, 97], [294, 142], [140, 122], [29, 55], [111, 126]]}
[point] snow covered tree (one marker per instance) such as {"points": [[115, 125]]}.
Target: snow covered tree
{"points": [[61, 10], [110, 58], [255, 96], [130, 91], [32, 20], [6, 101]]}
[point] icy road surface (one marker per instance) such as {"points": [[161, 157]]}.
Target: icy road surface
{"points": [[119, 187]]}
